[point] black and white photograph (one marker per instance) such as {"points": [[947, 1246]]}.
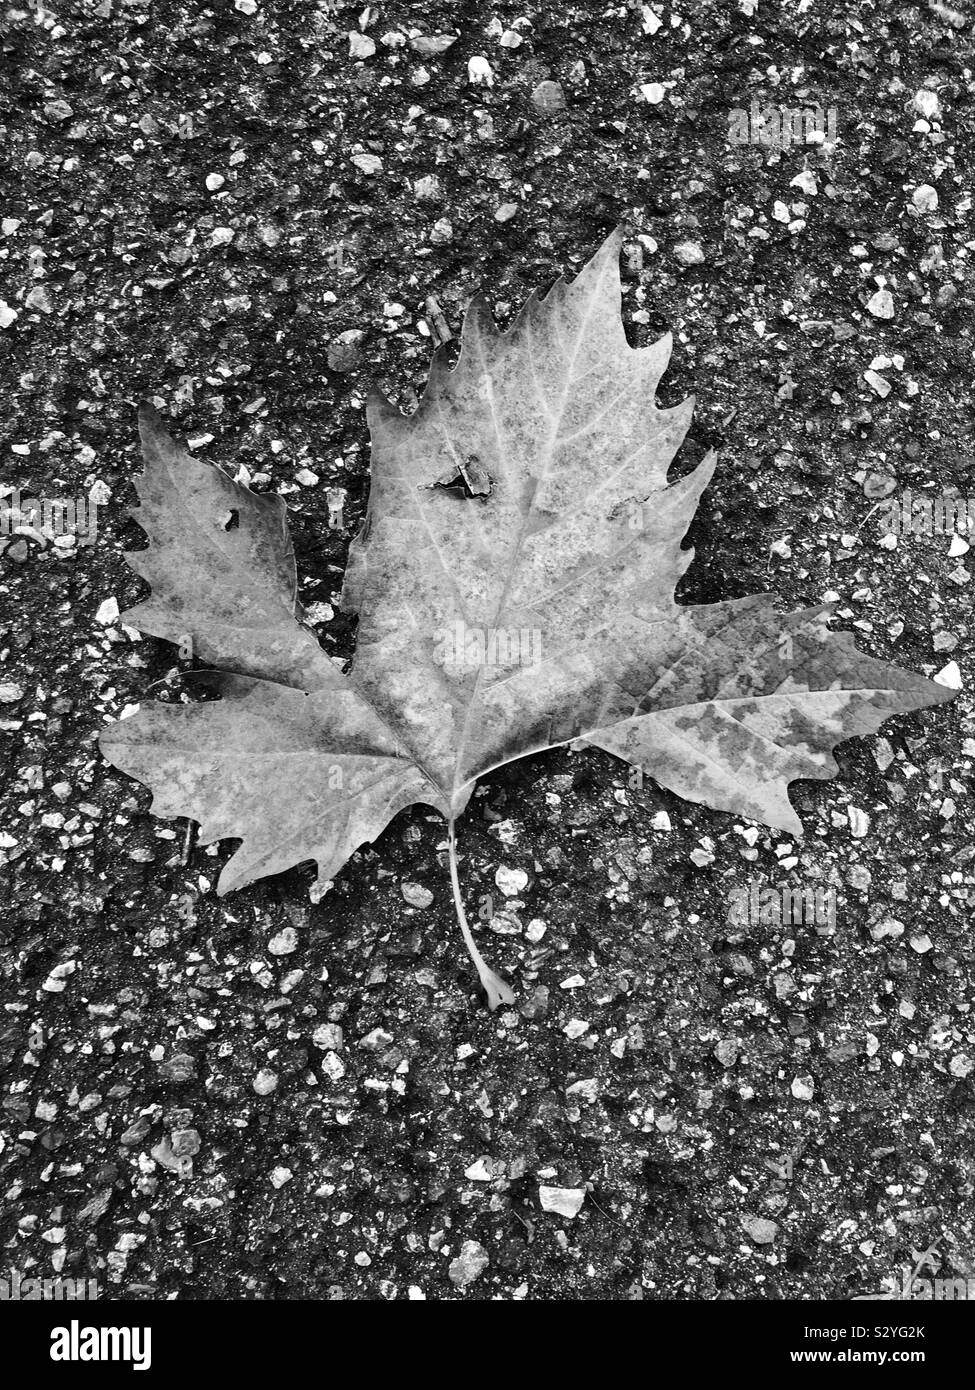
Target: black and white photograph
{"points": [[486, 672]]}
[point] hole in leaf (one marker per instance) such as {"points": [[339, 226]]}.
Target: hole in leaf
{"points": [[470, 477]]}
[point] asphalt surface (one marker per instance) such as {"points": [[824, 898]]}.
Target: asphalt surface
{"points": [[241, 213]]}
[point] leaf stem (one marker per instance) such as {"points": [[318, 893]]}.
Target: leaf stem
{"points": [[497, 990]]}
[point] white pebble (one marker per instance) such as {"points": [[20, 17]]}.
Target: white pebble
{"points": [[329, 1037], [807, 182], [478, 1172], [367, 163], [761, 1230], [949, 676], [284, 942], [689, 253], [107, 611], [511, 881], [360, 45], [479, 72], [416, 894], [563, 1201], [55, 982], [333, 1066]]}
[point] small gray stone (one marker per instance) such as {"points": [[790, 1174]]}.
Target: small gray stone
{"points": [[367, 163], [761, 1231], [429, 189], [878, 485], [186, 1142], [564, 1201], [416, 895], [164, 1155], [40, 299], [344, 350], [284, 942], [361, 45], [136, 1132], [469, 1265], [432, 45], [549, 96], [181, 1067], [443, 231], [689, 253], [333, 1066], [328, 1036]]}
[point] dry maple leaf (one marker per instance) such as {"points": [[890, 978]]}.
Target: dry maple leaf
{"points": [[514, 584]]}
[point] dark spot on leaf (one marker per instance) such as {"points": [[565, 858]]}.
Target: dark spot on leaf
{"points": [[470, 477]]}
